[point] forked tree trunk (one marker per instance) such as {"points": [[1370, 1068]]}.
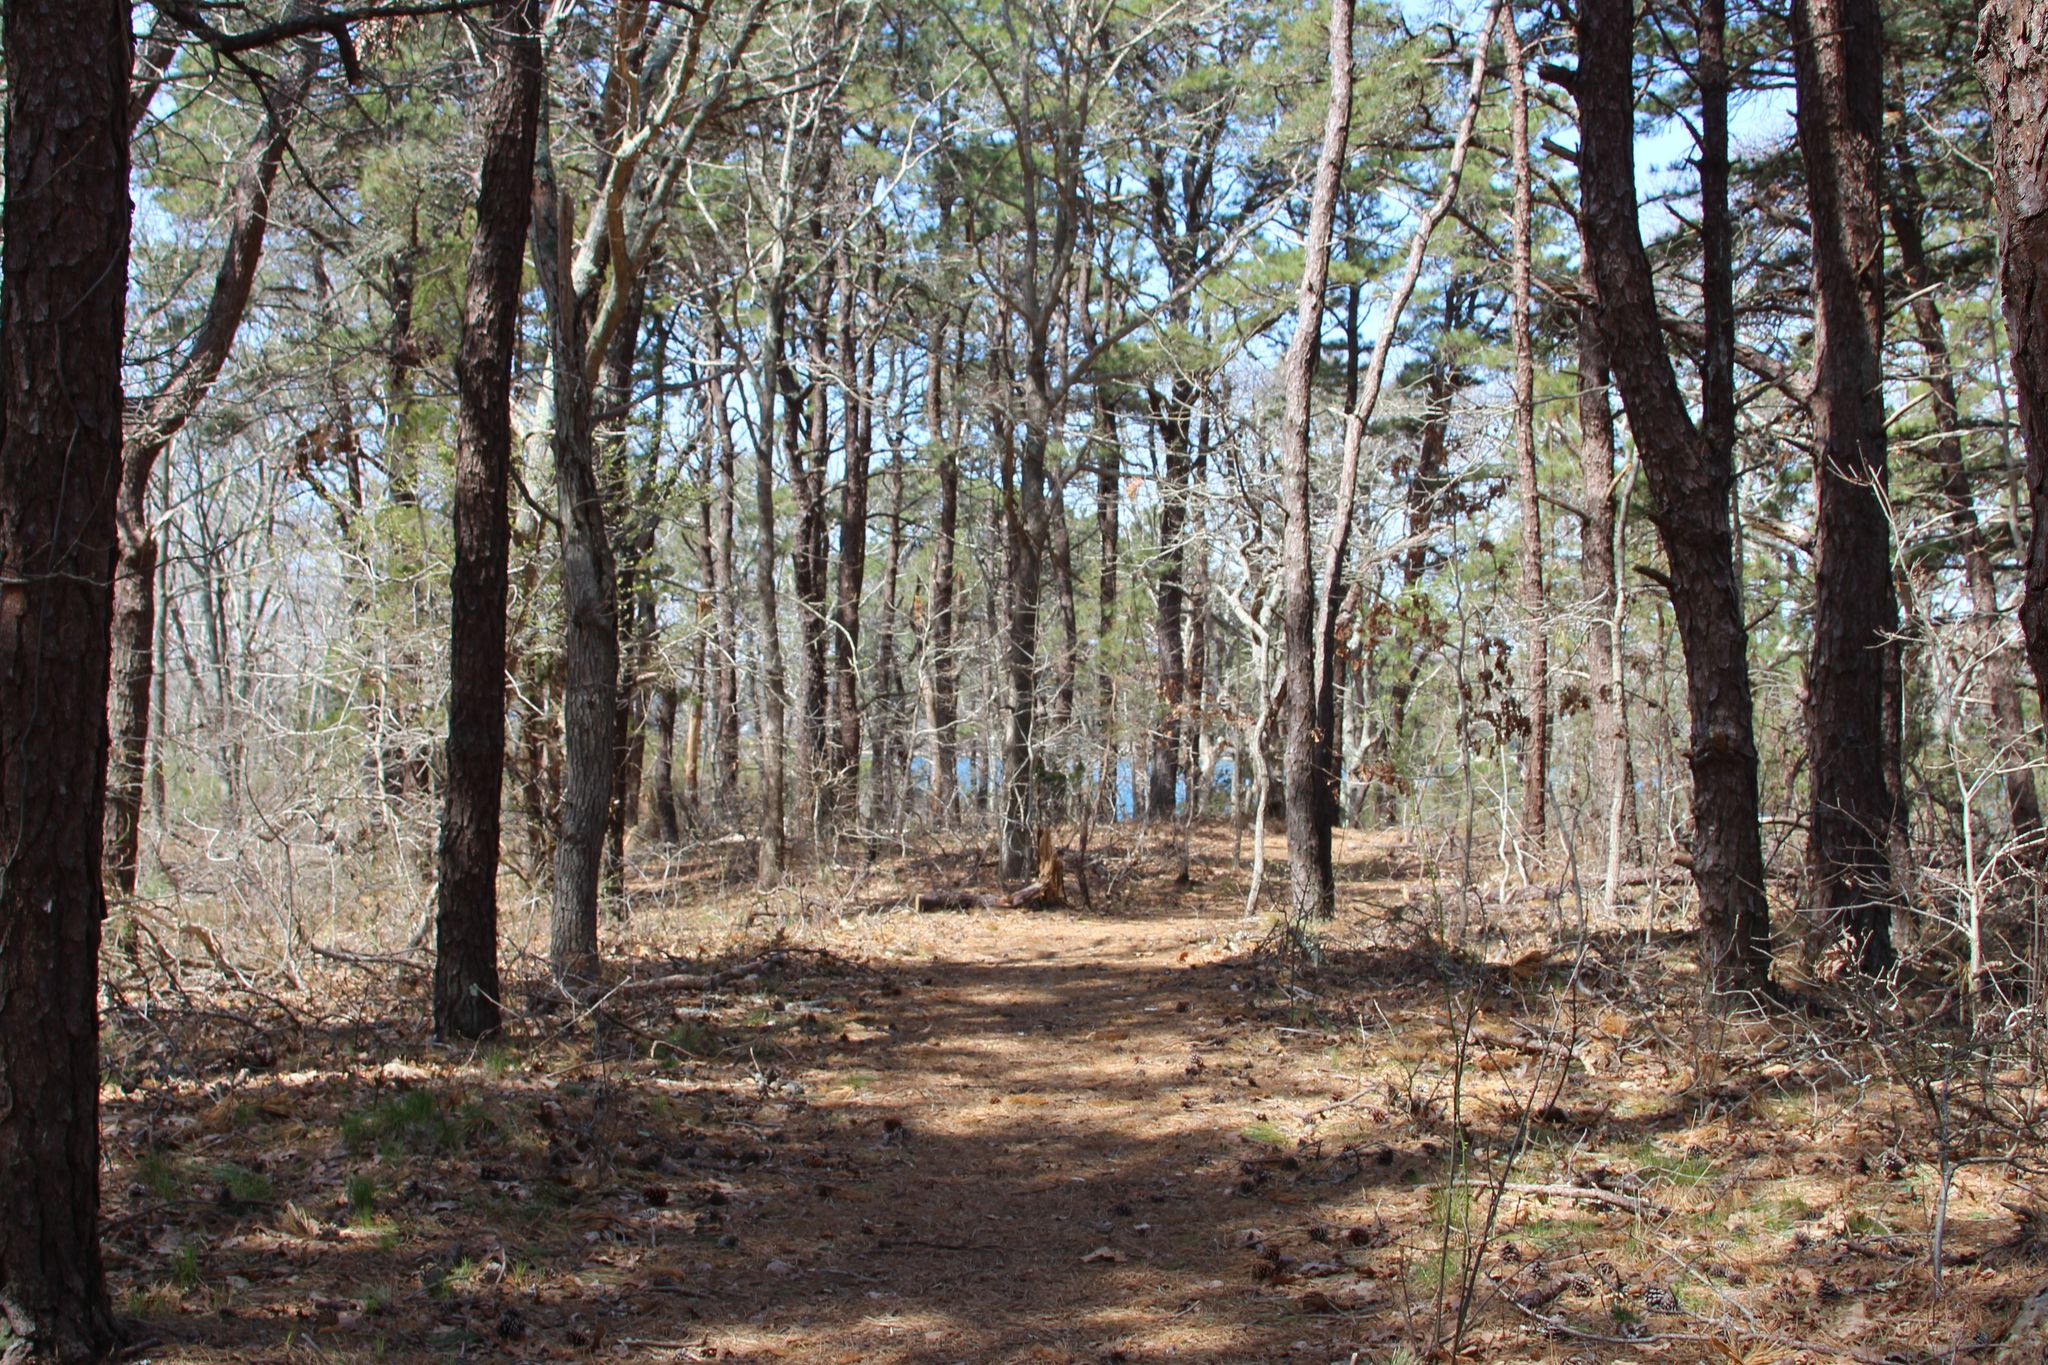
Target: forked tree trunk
{"points": [[63, 288], [1311, 878], [1691, 482], [1838, 46], [151, 432], [466, 988]]}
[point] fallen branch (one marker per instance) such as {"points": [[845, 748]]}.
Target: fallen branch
{"points": [[1586, 1193]]}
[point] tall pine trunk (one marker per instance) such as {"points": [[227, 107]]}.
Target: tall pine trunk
{"points": [[1691, 476], [1838, 46], [2012, 65], [466, 988], [63, 287]]}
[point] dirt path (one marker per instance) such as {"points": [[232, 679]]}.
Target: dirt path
{"points": [[836, 1134], [1040, 1156]]}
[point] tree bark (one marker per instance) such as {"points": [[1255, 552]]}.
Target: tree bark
{"points": [[808, 439], [1599, 584], [1107, 444], [590, 647], [666, 827], [151, 430], [1311, 878], [633, 524], [857, 355], [1536, 670], [1025, 519], [2012, 65], [945, 666], [63, 288], [1691, 483], [466, 987], [1838, 46], [771, 856], [886, 740], [724, 648], [1173, 415]]}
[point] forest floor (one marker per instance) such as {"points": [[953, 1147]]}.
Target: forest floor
{"points": [[818, 1126]]}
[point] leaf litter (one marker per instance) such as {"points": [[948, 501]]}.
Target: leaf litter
{"points": [[808, 1128]]}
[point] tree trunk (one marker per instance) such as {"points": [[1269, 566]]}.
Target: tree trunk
{"points": [[1025, 520], [1536, 670], [858, 357], [724, 648], [1839, 49], [945, 666], [2008, 716], [1108, 449], [666, 826], [63, 288], [1599, 584], [1173, 415], [2012, 65], [1195, 616], [808, 439], [771, 860], [590, 647], [466, 988], [1428, 481], [1311, 879], [158, 422], [634, 529], [886, 737], [1691, 482], [1066, 665]]}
